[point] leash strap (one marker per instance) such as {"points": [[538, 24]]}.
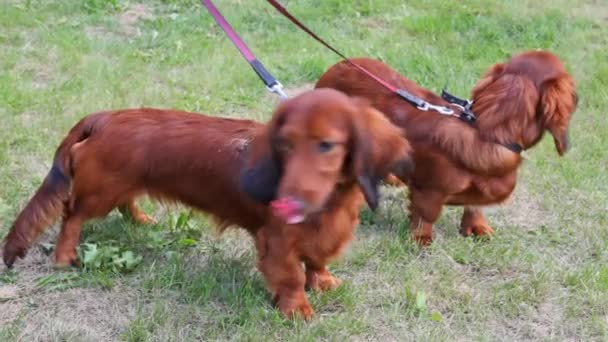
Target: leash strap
{"points": [[272, 84], [416, 101]]}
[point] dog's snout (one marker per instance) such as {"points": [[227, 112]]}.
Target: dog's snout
{"points": [[290, 209]]}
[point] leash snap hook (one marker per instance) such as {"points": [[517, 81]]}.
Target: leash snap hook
{"points": [[424, 106], [442, 110], [277, 88]]}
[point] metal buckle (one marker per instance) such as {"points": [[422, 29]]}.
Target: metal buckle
{"points": [[425, 106], [277, 88], [441, 109]]}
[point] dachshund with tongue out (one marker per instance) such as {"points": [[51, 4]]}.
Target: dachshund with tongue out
{"points": [[321, 156], [295, 184]]}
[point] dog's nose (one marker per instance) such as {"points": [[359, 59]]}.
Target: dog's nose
{"points": [[290, 209]]}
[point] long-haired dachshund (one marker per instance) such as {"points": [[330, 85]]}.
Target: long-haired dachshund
{"points": [[315, 162], [458, 163]]}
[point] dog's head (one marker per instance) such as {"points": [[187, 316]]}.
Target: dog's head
{"points": [[317, 143], [535, 87]]}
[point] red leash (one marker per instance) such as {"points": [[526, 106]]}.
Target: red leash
{"points": [[272, 84], [416, 101], [294, 20]]}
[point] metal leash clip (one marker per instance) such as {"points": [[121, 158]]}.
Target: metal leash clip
{"points": [[464, 104], [440, 109], [277, 88]]}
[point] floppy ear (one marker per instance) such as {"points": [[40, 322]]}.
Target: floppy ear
{"points": [[361, 164], [262, 168], [558, 102], [377, 149]]}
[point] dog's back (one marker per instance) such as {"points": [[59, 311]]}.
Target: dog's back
{"points": [[170, 155], [108, 159]]}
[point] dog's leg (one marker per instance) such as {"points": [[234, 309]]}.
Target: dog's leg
{"points": [[319, 278], [474, 223], [425, 208], [65, 252], [286, 279], [132, 212], [85, 204], [284, 275]]}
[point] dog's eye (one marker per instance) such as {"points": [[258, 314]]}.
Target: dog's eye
{"points": [[326, 146]]}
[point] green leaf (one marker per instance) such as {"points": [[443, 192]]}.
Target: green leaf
{"points": [[182, 220], [90, 254], [436, 316], [421, 301], [187, 242]]}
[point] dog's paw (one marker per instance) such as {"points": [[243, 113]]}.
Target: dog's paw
{"points": [[302, 310], [291, 308], [422, 240], [66, 260], [144, 219], [477, 230], [321, 281]]}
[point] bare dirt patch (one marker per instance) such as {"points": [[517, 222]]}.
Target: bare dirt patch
{"points": [[42, 74], [523, 209], [131, 16], [89, 314], [595, 9], [128, 21]]}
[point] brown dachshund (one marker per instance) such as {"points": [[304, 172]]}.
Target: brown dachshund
{"points": [[458, 163], [320, 156]]}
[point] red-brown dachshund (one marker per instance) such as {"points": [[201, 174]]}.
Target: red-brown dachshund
{"points": [[458, 163], [315, 162]]}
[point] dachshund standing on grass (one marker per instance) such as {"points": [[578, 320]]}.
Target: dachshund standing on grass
{"points": [[459, 163], [318, 159]]}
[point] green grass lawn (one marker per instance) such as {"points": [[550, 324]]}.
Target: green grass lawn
{"points": [[544, 276]]}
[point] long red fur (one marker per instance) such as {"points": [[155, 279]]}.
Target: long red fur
{"points": [[462, 164], [109, 159]]}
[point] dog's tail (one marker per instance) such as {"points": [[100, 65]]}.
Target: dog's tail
{"points": [[49, 202]]}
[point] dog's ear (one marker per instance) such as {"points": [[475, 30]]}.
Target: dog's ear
{"points": [[377, 149], [262, 170], [558, 102], [361, 164]]}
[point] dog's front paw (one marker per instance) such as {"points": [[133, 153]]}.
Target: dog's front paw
{"points": [[292, 308], [66, 260], [302, 310], [422, 239], [144, 219], [321, 281], [477, 230]]}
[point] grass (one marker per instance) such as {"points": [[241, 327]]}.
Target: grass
{"points": [[542, 277]]}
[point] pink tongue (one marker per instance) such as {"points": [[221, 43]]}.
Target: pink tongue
{"points": [[287, 209]]}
